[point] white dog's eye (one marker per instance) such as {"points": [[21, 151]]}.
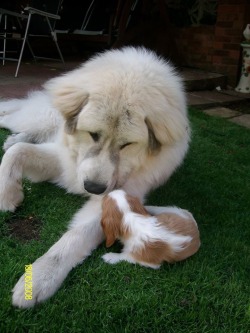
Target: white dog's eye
{"points": [[95, 136], [125, 145]]}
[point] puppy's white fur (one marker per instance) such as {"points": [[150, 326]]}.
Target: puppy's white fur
{"points": [[148, 240], [118, 121]]}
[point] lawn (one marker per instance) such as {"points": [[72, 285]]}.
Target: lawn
{"points": [[209, 292]]}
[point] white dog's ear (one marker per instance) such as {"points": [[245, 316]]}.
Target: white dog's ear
{"points": [[69, 98], [165, 130], [154, 144], [71, 113]]}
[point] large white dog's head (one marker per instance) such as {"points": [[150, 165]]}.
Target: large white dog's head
{"points": [[121, 109]]}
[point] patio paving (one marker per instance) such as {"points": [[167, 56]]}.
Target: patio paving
{"points": [[31, 76], [243, 120], [215, 102], [197, 79], [208, 98], [222, 112], [232, 115]]}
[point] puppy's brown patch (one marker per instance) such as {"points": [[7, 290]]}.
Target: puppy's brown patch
{"points": [[185, 227], [111, 221], [154, 253]]}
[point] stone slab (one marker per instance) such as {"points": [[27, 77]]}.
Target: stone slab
{"points": [[222, 112], [195, 79], [209, 98], [243, 120]]}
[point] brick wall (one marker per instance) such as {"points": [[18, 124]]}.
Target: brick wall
{"points": [[217, 48]]}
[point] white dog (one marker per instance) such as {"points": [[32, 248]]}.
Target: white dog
{"points": [[118, 121]]}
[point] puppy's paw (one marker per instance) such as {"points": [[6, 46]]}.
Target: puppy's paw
{"points": [[112, 258]]}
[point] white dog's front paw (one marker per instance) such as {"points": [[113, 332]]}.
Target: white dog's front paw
{"points": [[112, 258], [14, 138], [11, 196], [46, 278], [10, 141], [19, 297]]}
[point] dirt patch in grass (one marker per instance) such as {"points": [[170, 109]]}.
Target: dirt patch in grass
{"points": [[25, 229]]}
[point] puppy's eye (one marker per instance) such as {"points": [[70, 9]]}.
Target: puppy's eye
{"points": [[125, 145], [95, 136]]}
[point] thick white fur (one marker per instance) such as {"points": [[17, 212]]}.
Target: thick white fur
{"points": [[126, 96], [143, 230]]}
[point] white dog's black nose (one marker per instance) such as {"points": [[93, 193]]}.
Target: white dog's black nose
{"points": [[94, 188]]}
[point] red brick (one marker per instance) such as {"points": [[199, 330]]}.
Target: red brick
{"points": [[218, 45], [229, 61], [232, 2], [223, 24], [239, 25], [224, 53], [234, 54], [225, 39], [208, 58], [217, 59], [210, 51], [219, 31], [237, 39], [234, 32], [194, 44], [228, 9], [204, 39], [231, 46]]}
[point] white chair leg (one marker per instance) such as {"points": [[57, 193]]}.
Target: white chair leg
{"points": [[23, 45], [54, 37]]}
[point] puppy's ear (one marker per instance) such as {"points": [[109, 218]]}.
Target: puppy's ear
{"points": [[110, 239], [109, 231], [111, 220], [69, 98]]}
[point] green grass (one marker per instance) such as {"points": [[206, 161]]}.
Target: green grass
{"points": [[207, 293]]}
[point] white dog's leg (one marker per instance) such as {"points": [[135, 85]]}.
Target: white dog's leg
{"points": [[7, 107], [49, 271], [40, 162]]}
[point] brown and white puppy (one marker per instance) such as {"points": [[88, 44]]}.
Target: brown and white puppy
{"points": [[148, 240]]}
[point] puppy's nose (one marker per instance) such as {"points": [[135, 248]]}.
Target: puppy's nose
{"points": [[94, 188]]}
